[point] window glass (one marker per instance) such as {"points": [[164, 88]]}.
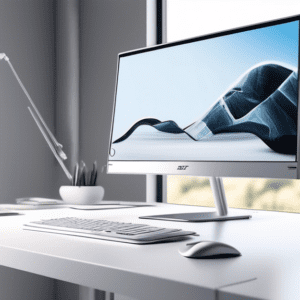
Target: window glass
{"points": [[189, 18]]}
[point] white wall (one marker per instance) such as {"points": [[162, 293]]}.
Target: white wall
{"points": [[107, 27], [31, 38], [27, 167]]}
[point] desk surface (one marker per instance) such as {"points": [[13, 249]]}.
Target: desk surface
{"points": [[268, 268]]}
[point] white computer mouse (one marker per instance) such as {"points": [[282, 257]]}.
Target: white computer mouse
{"points": [[208, 249]]}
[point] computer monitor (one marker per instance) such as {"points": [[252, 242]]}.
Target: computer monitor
{"points": [[219, 105]]}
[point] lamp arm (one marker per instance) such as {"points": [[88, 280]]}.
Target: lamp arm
{"points": [[47, 138], [55, 147], [58, 147]]}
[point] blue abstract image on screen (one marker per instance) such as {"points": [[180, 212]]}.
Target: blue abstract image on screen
{"points": [[228, 98]]}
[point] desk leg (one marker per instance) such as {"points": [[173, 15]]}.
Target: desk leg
{"points": [[86, 293]]}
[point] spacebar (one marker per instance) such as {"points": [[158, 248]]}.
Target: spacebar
{"points": [[148, 233]]}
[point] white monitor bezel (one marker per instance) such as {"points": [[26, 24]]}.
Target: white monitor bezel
{"points": [[283, 170]]}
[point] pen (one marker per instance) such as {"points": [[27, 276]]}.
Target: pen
{"points": [[88, 178], [95, 178], [93, 174], [75, 175], [83, 174]]}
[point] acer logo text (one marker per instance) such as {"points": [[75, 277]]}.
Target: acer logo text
{"points": [[182, 167]]}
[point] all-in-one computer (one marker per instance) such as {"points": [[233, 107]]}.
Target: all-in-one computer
{"points": [[224, 104], [219, 105]]}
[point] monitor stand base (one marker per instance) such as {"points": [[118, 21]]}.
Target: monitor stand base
{"points": [[199, 217], [221, 213]]}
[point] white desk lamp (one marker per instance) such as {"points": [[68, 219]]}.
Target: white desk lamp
{"points": [[55, 147]]}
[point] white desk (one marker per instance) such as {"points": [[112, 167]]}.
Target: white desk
{"points": [[268, 269]]}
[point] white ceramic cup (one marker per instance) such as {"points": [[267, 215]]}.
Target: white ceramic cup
{"points": [[85, 195]]}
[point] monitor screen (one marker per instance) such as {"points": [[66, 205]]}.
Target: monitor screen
{"points": [[225, 97]]}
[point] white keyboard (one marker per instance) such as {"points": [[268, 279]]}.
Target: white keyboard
{"points": [[108, 230]]}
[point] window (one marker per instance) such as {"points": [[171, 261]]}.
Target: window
{"points": [[188, 18]]}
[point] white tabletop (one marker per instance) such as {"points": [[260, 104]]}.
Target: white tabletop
{"points": [[269, 244]]}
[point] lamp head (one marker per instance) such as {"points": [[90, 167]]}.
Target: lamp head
{"points": [[3, 55]]}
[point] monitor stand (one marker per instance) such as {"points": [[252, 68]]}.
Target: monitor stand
{"points": [[221, 213]]}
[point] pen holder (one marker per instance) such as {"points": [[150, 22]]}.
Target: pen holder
{"points": [[84, 195]]}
